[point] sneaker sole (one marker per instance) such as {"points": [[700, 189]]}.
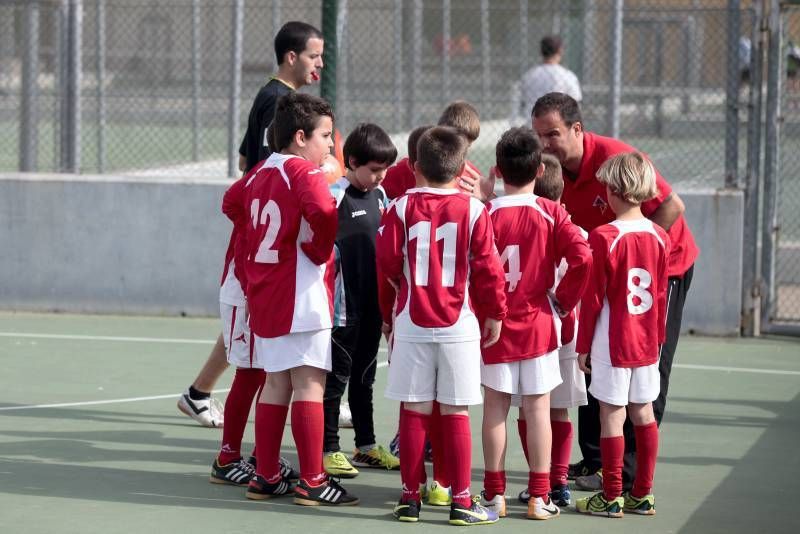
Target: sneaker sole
{"points": [[462, 523], [612, 515], [437, 503], [262, 496], [308, 502], [339, 474], [370, 466], [226, 482], [651, 511], [191, 414]]}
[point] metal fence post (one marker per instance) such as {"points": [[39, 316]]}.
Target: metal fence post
{"points": [[235, 88], [588, 50], [100, 21], [29, 111], [196, 79], [327, 87], [616, 69], [751, 294], [732, 97], [342, 65], [769, 236], [416, 62], [446, 50], [398, 64], [486, 55], [520, 106], [71, 91]]}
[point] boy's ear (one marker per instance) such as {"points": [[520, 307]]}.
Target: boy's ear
{"points": [[496, 171], [299, 138], [540, 170], [352, 163]]}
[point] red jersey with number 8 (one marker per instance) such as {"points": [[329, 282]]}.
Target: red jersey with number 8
{"points": [[289, 239], [432, 244], [624, 310]]}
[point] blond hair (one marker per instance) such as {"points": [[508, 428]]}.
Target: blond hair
{"points": [[629, 176], [550, 184], [462, 116]]}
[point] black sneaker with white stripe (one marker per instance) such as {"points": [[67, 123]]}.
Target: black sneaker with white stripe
{"points": [[259, 489], [237, 473], [329, 493], [287, 471]]}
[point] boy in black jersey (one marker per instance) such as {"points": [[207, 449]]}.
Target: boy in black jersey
{"points": [[368, 152]]}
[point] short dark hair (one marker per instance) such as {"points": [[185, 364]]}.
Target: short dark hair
{"points": [[297, 111], [550, 184], [550, 45], [440, 154], [368, 142], [293, 37], [565, 105], [462, 116], [518, 154], [413, 139]]}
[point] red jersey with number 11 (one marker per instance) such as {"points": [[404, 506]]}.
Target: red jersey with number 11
{"points": [[624, 310], [432, 244]]}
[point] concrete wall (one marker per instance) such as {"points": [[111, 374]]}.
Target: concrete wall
{"points": [[153, 246]]}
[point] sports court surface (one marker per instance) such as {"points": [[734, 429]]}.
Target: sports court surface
{"points": [[91, 441]]}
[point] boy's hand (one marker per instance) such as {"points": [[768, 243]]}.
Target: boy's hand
{"points": [[491, 332], [487, 184], [469, 180], [561, 312], [386, 330], [584, 364]]}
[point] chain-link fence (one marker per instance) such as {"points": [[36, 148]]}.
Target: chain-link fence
{"points": [[122, 85]]}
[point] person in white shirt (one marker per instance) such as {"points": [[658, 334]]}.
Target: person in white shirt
{"points": [[548, 77]]}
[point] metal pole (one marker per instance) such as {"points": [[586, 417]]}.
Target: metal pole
{"points": [[234, 107], [71, 139], [327, 88], [751, 293], [277, 7], [29, 111], [659, 72], [589, 48], [101, 85], [616, 70], [342, 73], [520, 106], [486, 56], [732, 97], [446, 50], [398, 64], [60, 70], [769, 237], [196, 76], [416, 61]]}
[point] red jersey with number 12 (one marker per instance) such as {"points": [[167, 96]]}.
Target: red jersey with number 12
{"points": [[433, 244], [289, 247], [624, 311]]}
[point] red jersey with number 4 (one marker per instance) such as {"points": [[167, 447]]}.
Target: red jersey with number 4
{"points": [[433, 244], [624, 311], [532, 235], [288, 243]]}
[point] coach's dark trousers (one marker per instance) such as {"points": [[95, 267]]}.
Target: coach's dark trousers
{"points": [[589, 415], [355, 360]]}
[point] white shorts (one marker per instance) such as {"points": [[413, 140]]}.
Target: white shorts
{"points": [[446, 372], [571, 392], [620, 385], [312, 348], [236, 335], [533, 376]]}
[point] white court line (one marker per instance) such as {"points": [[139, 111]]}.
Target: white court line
{"points": [[736, 369], [109, 338], [184, 497]]}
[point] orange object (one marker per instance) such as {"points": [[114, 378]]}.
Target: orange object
{"points": [[338, 148], [332, 169]]}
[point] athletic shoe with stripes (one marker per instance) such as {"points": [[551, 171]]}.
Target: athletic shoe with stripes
{"points": [[208, 412], [640, 505], [287, 471], [329, 493], [407, 512], [236, 473], [474, 515], [598, 505], [259, 489], [376, 457]]}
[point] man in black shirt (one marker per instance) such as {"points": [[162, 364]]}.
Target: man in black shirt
{"points": [[298, 51]]}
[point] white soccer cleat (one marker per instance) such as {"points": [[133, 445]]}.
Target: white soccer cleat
{"points": [[496, 504], [207, 412]]}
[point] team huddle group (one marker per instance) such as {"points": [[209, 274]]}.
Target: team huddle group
{"points": [[495, 300]]}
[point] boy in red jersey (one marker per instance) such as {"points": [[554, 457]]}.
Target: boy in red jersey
{"points": [[288, 247], [532, 235], [622, 325], [571, 393], [433, 244]]}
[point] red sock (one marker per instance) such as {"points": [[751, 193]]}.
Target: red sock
{"points": [[413, 429], [611, 452], [237, 408], [457, 438], [308, 428], [561, 451], [522, 428], [441, 473], [270, 420], [494, 483], [539, 484], [646, 453]]}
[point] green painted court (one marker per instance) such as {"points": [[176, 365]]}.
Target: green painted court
{"points": [[91, 441]]}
